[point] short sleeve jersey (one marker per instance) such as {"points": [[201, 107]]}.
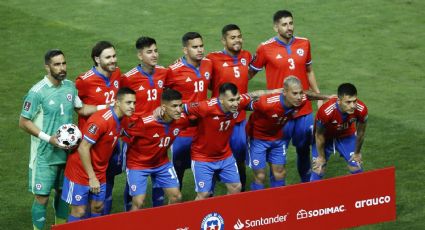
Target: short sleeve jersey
{"points": [[338, 124], [282, 60], [191, 82], [228, 68], [214, 129], [269, 116], [49, 107], [102, 130], [148, 87], [151, 139], [95, 88]]}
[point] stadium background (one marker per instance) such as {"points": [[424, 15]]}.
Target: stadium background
{"points": [[374, 44]]}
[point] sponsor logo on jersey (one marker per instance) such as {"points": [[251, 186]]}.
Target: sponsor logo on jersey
{"points": [[78, 197], [160, 83], [278, 56], [373, 201], [41, 219], [176, 131], [216, 118], [98, 89], [116, 84], [225, 64], [243, 61], [156, 135], [38, 186], [207, 75], [275, 115], [300, 52], [212, 221], [111, 133], [51, 102], [69, 97], [92, 129], [303, 214], [27, 106], [188, 79], [141, 88]]}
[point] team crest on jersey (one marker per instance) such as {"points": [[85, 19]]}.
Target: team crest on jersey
{"points": [[243, 61], [235, 115], [256, 162], [69, 97], [207, 75], [212, 221], [78, 197], [352, 120], [27, 106], [116, 84], [300, 52], [201, 184], [38, 186], [160, 83], [176, 131], [93, 129]]}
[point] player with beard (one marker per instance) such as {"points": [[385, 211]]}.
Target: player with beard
{"points": [[49, 104], [191, 77], [282, 56], [99, 87], [231, 65]]}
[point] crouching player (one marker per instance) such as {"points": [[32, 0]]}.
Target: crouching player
{"points": [[151, 137], [265, 133], [340, 126], [85, 172]]}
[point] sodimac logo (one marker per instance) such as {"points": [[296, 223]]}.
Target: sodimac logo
{"points": [[303, 214]]}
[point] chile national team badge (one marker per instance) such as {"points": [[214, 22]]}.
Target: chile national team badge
{"points": [[212, 221]]}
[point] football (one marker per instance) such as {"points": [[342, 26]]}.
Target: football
{"points": [[69, 135]]}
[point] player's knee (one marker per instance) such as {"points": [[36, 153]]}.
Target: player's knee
{"points": [[42, 199], [97, 207], [279, 173], [234, 188], [260, 176], [78, 211], [138, 201], [202, 195]]}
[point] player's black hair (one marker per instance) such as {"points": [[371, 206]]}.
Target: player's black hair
{"points": [[190, 36], [281, 14], [144, 42], [346, 89], [170, 95], [228, 28], [124, 91], [50, 54], [98, 49], [228, 87]]}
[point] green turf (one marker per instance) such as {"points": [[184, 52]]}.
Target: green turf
{"points": [[373, 44]]}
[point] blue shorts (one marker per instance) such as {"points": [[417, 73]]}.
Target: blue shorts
{"points": [[77, 194], [238, 141], [300, 130], [117, 161], [180, 150], [163, 176], [261, 151], [203, 172], [345, 146]]}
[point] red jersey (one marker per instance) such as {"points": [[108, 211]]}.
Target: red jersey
{"points": [[338, 124], [191, 82], [211, 143], [282, 60], [151, 140], [234, 69], [95, 88], [148, 87], [269, 116], [102, 130]]}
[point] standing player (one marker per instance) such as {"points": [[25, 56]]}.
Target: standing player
{"points": [[211, 153], [282, 56], [85, 172], [231, 65], [340, 126], [147, 79], [99, 87], [48, 105], [147, 152], [264, 129], [191, 77]]}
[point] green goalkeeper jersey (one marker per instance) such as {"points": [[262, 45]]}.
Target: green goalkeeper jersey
{"points": [[48, 107]]}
